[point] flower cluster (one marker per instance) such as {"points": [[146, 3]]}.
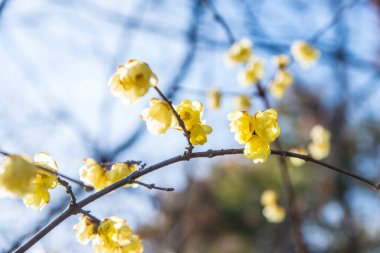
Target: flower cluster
{"points": [[132, 81], [282, 79], [319, 147], [255, 132], [112, 235], [272, 211], [159, 118], [22, 177], [98, 176], [304, 53]]}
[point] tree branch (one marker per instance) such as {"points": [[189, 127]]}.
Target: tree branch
{"points": [[153, 186], [132, 177]]}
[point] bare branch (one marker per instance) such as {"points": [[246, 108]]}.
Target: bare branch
{"points": [[153, 186]]}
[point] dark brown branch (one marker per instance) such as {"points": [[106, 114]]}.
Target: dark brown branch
{"points": [[180, 121], [153, 186], [132, 177]]}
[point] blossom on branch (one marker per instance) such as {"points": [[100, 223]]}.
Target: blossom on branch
{"points": [[98, 176], [158, 116], [255, 132], [112, 235], [132, 81], [42, 182], [16, 176], [86, 229], [191, 113]]}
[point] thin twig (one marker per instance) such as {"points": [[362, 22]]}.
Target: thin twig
{"points": [[69, 191], [132, 177], [153, 186], [88, 214], [317, 35], [180, 121]]}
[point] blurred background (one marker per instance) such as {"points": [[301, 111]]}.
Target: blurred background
{"points": [[55, 60]]}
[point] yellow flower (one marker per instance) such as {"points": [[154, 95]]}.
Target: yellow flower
{"points": [[242, 124], [239, 52], [266, 124], [269, 197], [92, 173], [119, 171], [304, 54], [16, 176], [190, 112], [241, 103], [44, 178], [85, 230], [281, 61], [42, 182], [296, 161], [257, 149], [114, 235], [252, 74], [135, 246], [213, 99], [198, 134], [274, 213], [319, 148], [158, 116], [38, 198], [132, 81]]}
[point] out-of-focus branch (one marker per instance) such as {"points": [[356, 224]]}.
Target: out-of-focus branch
{"points": [[218, 18]]}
